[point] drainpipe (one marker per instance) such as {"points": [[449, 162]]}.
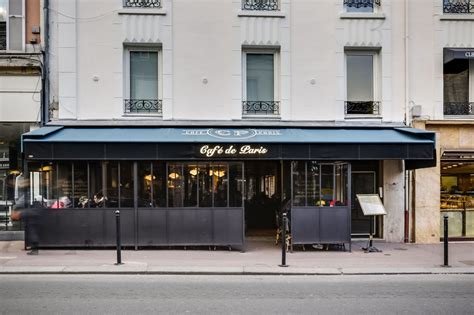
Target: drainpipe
{"points": [[406, 178], [45, 74]]}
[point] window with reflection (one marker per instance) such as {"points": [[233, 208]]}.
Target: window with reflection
{"points": [[205, 185], [313, 190], [327, 185], [111, 189], [159, 181], [96, 197], [126, 185], [220, 175], [190, 182], [320, 184], [299, 183], [145, 179], [235, 185], [64, 186], [43, 189], [175, 185], [342, 185], [80, 199]]}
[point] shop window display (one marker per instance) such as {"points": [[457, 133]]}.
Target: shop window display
{"points": [[457, 197], [319, 184]]}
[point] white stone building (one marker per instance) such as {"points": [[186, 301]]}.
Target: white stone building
{"points": [[141, 90]]}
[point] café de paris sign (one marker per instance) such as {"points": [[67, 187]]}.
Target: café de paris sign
{"points": [[243, 150], [231, 150]]}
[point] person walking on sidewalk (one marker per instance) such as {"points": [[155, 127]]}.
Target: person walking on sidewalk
{"points": [[30, 218]]}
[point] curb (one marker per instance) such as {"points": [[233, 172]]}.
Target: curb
{"points": [[234, 273]]}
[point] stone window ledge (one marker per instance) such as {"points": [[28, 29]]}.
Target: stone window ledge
{"points": [[369, 16], [137, 11], [275, 14], [456, 17]]}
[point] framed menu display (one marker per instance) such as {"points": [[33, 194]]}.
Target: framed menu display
{"points": [[371, 204]]}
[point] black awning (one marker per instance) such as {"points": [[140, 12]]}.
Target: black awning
{"points": [[457, 53], [92, 143]]}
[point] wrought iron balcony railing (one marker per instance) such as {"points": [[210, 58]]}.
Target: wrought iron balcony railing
{"points": [[261, 108], [459, 108], [3, 35], [362, 3], [142, 4], [362, 108], [458, 6], [143, 106], [261, 5]]}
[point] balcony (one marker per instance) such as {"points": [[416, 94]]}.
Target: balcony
{"points": [[261, 5], [3, 35], [142, 4], [361, 3], [136, 106], [458, 6], [261, 108], [459, 108], [362, 108]]}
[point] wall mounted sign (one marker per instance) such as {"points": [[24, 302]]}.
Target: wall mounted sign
{"points": [[208, 150]]}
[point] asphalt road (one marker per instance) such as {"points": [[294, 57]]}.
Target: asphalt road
{"points": [[128, 294]]}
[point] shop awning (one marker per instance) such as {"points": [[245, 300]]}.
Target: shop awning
{"points": [[457, 53], [85, 143]]}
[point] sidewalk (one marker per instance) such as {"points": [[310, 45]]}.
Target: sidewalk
{"points": [[261, 257]]}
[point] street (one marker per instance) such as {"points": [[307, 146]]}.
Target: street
{"points": [[125, 294]]}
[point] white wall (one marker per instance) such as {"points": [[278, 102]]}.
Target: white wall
{"points": [[20, 98], [203, 40]]}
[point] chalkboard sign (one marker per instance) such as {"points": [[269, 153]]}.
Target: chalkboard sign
{"points": [[371, 204]]}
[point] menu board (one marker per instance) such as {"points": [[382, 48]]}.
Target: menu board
{"points": [[371, 204]]}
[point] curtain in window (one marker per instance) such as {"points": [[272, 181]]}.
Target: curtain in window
{"points": [[143, 75], [360, 78], [260, 77]]}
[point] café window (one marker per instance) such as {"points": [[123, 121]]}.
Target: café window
{"points": [[317, 184], [457, 197], [205, 185]]}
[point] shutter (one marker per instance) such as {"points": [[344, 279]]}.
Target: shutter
{"points": [[15, 25]]}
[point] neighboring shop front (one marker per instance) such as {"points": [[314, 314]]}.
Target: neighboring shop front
{"points": [[10, 169], [456, 177], [213, 186]]}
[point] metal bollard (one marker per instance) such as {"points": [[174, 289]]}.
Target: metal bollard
{"points": [[445, 239], [283, 241], [119, 245]]}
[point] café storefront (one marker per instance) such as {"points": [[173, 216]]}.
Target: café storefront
{"points": [[203, 186]]}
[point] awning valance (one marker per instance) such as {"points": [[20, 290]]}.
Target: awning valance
{"points": [[458, 53], [229, 143]]}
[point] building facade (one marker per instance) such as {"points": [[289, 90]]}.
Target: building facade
{"points": [[441, 96], [20, 91], [199, 119]]}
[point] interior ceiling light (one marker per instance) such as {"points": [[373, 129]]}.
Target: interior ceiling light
{"points": [[173, 175]]}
